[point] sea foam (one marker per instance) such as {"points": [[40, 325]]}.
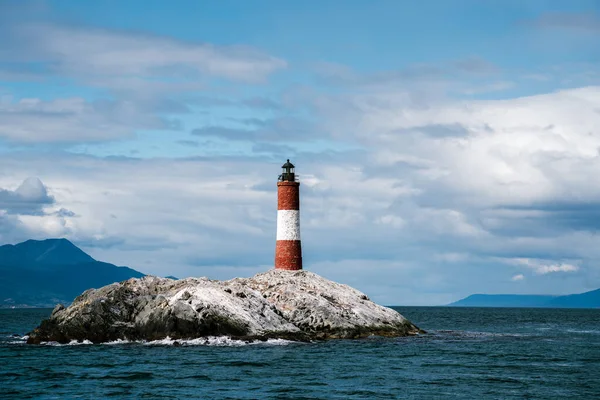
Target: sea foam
{"points": [[219, 341], [223, 341]]}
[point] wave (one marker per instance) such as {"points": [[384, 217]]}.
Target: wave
{"points": [[17, 336], [593, 331], [16, 339], [71, 343], [472, 334], [216, 341], [219, 341]]}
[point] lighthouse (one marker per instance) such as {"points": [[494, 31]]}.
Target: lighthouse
{"points": [[288, 251]]}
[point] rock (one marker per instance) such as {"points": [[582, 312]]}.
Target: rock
{"points": [[59, 307], [295, 305]]}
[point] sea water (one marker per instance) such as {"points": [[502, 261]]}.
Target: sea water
{"points": [[467, 353]]}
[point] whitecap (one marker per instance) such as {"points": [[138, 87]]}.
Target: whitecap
{"points": [[222, 341], [17, 336], [217, 341], [593, 331], [119, 341], [474, 334], [76, 343], [71, 343]]}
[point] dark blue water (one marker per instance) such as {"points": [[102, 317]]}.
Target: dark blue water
{"points": [[469, 353]]}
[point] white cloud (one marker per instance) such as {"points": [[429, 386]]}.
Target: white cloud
{"points": [[392, 220], [487, 88], [24, 213], [73, 120], [97, 52], [45, 226], [134, 81], [542, 267], [517, 151], [546, 269], [518, 277], [28, 198]]}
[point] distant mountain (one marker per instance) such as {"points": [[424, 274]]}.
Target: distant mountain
{"points": [[584, 300], [45, 252], [43, 273]]}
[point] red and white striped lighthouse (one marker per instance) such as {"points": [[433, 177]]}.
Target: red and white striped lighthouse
{"points": [[288, 251]]}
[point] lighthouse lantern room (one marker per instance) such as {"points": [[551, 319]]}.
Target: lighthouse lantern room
{"points": [[288, 250], [288, 172]]}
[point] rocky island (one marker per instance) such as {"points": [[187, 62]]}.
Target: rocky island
{"points": [[295, 305]]}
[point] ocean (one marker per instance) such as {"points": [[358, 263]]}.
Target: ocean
{"points": [[467, 353]]}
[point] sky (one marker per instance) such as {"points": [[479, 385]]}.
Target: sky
{"points": [[443, 148]]}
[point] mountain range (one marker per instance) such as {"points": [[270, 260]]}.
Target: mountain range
{"points": [[43, 273], [589, 299]]}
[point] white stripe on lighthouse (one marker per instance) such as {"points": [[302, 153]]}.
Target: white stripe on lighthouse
{"points": [[288, 225]]}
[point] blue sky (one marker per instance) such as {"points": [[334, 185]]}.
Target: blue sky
{"points": [[445, 148]]}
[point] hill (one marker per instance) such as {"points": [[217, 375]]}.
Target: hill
{"points": [[43, 273], [583, 300]]}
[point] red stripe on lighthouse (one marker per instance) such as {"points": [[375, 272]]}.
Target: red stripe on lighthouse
{"points": [[288, 251], [288, 255]]}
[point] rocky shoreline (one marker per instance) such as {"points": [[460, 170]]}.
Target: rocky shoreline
{"points": [[299, 306]]}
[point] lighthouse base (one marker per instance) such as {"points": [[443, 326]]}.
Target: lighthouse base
{"points": [[288, 255]]}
